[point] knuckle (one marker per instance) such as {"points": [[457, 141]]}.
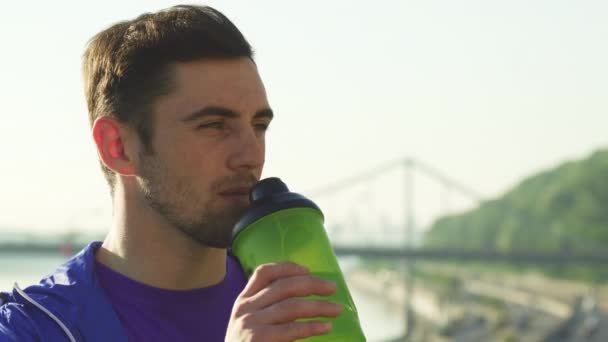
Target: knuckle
{"points": [[264, 267], [290, 287], [247, 320], [307, 285], [272, 270], [285, 267], [265, 270], [291, 291], [289, 267], [295, 307], [295, 303], [263, 335], [305, 308], [240, 309]]}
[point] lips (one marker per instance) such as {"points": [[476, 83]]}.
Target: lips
{"points": [[239, 194]]}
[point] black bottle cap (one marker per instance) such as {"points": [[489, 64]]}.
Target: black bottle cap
{"points": [[268, 196]]}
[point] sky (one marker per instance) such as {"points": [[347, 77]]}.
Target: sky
{"points": [[489, 92]]}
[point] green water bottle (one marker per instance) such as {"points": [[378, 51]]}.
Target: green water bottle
{"points": [[285, 226]]}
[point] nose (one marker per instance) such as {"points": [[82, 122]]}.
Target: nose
{"points": [[248, 152]]}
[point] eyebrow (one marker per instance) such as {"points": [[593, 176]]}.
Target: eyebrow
{"points": [[224, 112]]}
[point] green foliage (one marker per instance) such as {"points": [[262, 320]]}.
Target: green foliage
{"points": [[561, 209]]}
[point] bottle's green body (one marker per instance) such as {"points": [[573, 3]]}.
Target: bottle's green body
{"points": [[298, 235]]}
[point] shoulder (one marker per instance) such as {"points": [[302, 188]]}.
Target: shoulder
{"points": [[52, 308]]}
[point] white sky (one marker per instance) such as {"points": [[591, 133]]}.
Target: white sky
{"points": [[488, 91]]}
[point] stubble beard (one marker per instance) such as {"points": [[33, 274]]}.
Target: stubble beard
{"points": [[210, 227]]}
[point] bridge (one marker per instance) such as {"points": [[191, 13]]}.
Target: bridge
{"points": [[388, 249]]}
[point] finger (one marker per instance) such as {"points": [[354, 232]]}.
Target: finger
{"points": [[298, 330], [296, 308], [296, 286], [267, 273]]}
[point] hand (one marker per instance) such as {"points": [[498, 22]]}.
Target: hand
{"points": [[267, 308]]}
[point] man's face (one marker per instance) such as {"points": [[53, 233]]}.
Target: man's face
{"points": [[207, 148]]}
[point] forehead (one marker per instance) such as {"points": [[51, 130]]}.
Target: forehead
{"points": [[230, 83]]}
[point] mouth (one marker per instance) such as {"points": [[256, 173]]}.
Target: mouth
{"points": [[240, 194]]}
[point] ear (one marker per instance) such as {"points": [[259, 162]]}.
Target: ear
{"points": [[110, 136]]}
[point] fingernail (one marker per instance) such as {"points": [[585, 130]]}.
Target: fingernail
{"points": [[330, 284], [321, 327]]}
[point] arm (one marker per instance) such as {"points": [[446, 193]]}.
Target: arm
{"points": [[15, 324]]}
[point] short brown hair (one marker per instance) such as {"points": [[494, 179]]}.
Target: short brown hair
{"points": [[127, 67]]}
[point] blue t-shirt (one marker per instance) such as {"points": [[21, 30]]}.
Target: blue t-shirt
{"points": [[153, 314]]}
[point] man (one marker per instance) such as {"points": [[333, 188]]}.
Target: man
{"points": [[178, 115]]}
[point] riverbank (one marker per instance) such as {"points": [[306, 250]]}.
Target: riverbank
{"points": [[388, 287], [479, 307]]}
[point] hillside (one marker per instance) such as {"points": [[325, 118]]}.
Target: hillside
{"points": [[562, 208]]}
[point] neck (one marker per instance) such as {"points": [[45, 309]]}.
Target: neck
{"points": [[143, 246]]}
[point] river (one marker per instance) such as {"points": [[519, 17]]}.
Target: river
{"points": [[380, 320]]}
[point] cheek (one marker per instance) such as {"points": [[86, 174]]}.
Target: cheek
{"points": [[204, 166], [203, 157]]}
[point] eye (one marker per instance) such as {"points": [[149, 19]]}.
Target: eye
{"points": [[213, 125], [262, 127]]}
